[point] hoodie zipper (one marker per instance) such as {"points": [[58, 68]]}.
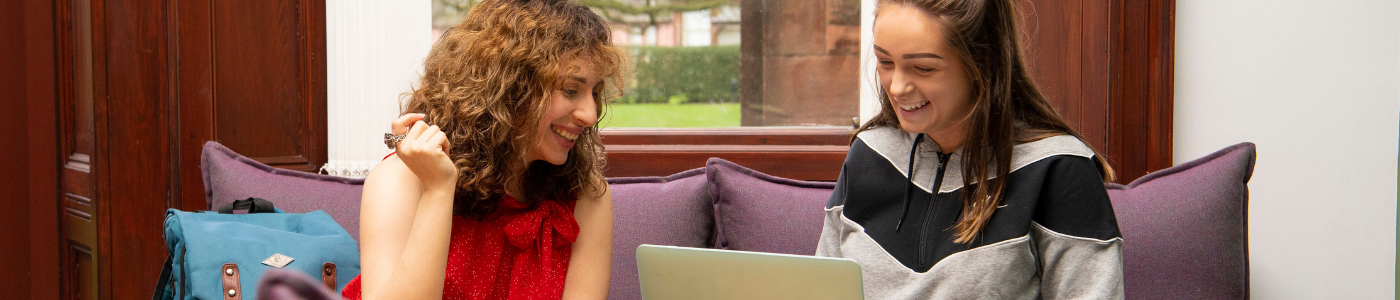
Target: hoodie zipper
{"points": [[932, 206]]}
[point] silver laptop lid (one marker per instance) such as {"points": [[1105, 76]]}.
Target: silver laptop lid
{"points": [[668, 272]]}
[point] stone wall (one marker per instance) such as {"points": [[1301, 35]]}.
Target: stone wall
{"points": [[807, 56]]}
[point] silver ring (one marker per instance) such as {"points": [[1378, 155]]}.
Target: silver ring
{"points": [[392, 140]]}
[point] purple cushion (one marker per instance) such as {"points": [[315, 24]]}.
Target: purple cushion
{"points": [[1184, 234], [229, 176], [761, 212], [674, 210]]}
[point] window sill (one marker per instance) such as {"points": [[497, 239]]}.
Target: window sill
{"points": [[803, 153]]}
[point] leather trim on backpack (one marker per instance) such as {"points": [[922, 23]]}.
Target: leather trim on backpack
{"points": [[231, 288], [328, 275]]}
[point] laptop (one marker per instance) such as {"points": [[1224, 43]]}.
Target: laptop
{"points": [[669, 272]]}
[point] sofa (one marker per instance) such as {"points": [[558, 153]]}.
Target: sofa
{"points": [[1184, 228]]}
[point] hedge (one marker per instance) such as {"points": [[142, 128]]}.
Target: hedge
{"points": [[684, 74]]}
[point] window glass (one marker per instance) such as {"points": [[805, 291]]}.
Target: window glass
{"points": [[727, 63]]}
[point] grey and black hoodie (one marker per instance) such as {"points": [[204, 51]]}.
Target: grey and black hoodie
{"points": [[1053, 236]]}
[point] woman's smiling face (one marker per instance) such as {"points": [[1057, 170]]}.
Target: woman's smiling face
{"points": [[570, 110], [923, 76]]}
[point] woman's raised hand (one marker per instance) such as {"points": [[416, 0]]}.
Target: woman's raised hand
{"points": [[424, 150], [400, 126]]}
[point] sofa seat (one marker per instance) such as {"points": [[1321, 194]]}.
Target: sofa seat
{"points": [[1184, 228]]}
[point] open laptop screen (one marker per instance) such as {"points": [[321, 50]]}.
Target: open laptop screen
{"points": [[668, 272]]}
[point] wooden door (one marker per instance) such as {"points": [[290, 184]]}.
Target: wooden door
{"points": [[141, 85], [80, 72]]}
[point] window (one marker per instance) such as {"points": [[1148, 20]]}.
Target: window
{"points": [[799, 88], [760, 83], [727, 63]]}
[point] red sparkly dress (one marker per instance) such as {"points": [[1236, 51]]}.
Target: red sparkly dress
{"points": [[514, 253]]}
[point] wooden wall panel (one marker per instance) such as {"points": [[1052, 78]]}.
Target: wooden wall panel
{"points": [[134, 148], [1067, 46], [1052, 38], [1106, 67], [1094, 101], [40, 123], [195, 91], [255, 74], [12, 171], [80, 56], [28, 177], [1139, 134], [252, 77]]}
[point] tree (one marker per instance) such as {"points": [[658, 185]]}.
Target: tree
{"points": [[447, 13], [617, 10]]}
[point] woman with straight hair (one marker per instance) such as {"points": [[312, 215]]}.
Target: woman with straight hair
{"points": [[967, 184], [496, 191]]}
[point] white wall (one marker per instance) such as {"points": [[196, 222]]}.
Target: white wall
{"points": [[1316, 84], [375, 51], [869, 99]]}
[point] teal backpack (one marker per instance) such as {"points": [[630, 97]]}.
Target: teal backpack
{"points": [[223, 255]]}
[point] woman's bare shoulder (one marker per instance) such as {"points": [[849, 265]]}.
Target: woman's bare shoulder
{"points": [[390, 174], [598, 190]]}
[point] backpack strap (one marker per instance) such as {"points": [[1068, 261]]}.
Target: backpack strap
{"points": [[164, 290], [253, 205]]}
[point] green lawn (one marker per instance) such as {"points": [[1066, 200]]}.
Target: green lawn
{"points": [[667, 115]]}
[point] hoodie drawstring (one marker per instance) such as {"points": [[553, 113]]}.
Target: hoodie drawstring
{"points": [[909, 185]]}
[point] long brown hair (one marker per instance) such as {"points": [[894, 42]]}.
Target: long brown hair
{"points": [[486, 84], [984, 34]]}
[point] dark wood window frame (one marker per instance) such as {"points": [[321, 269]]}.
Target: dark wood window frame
{"points": [[1130, 85], [1141, 55], [799, 153]]}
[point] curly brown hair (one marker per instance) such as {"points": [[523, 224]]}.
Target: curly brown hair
{"points": [[486, 83]]}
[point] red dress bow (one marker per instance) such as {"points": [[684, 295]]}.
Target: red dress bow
{"points": [[541, 235], [480, 265]]}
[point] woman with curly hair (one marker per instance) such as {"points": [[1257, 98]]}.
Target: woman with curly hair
{"points": [[496, 191]]}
